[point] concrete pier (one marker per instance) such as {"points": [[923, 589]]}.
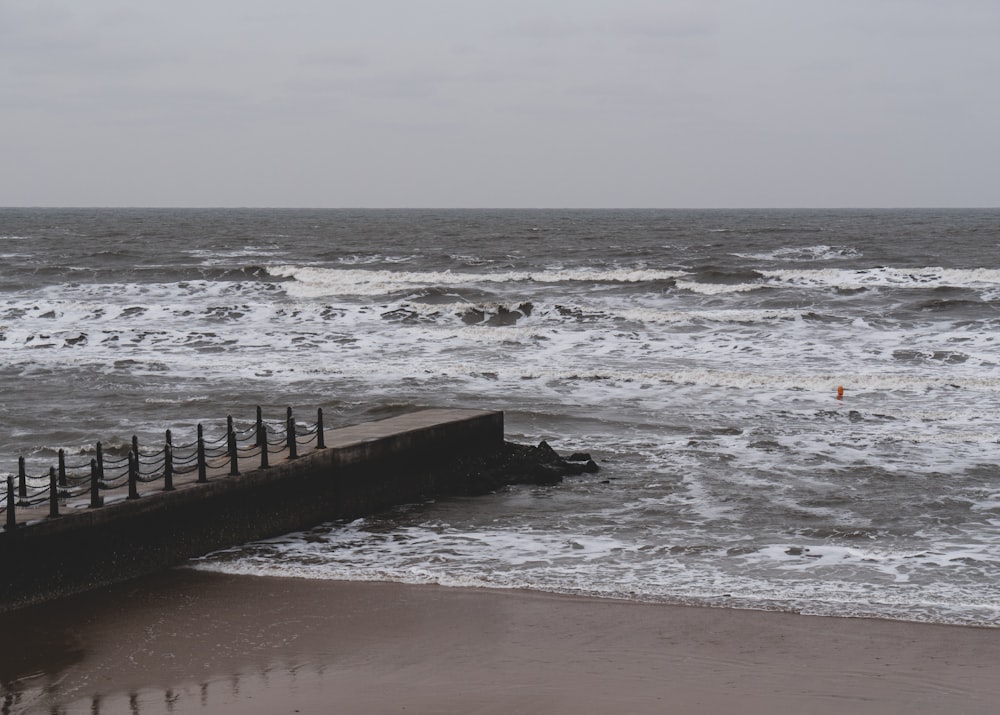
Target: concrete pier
{"points": [[362, 469]]}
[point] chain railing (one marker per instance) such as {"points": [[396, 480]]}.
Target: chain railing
{"points": [[143, 465]]}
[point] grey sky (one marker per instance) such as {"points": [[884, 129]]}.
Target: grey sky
{"points": [[547, 103]]}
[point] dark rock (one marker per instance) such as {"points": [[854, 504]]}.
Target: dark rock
{"points": [[526, 308], [545, 449], [578, 457], [591, 467], [504, 317], [520, 464], [402, 315], [473, 316]]}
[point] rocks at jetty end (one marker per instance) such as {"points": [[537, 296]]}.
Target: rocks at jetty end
{"points": [[523, 464]]}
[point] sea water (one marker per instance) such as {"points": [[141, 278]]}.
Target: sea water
{"points": [[696, 355]]}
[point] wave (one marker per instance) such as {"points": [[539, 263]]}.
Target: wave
{"points": [[252, 272], [645, 316], [793, 254], [729, 276], [215, 256], [937, 305], [197, 399], [882, 276], [764, 230], [735, 315], [718, 288], [359, 260], [846, 282], [314, 282], [469, 260], [436, 304], [139, 278]]}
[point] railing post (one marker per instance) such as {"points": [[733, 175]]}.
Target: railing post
{"points": [[53, 494], [100, 462], [133, 475], [62, 467], [96, 500], [168, 463], [11, 517], [290, 435], [262, 437], [22, 480], [202, 467], [320, 443], [234, 467], [135, 449]]}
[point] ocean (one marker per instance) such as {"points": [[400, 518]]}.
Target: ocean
{"points": [[696, 355]]}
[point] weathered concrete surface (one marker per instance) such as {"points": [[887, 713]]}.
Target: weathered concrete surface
{"points": [[365, 468]]}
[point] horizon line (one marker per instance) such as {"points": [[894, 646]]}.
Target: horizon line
{"points": [[497, 208]]}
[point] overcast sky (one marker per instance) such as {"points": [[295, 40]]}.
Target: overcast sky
{"points": [[520, 103]]}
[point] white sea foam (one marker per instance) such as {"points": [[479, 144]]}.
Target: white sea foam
{"points": [[817, 578], [216, 257], [588, 344], [178, 400], [607, 312], [888, 277], [314, 282], [819, 252], [718, 288]]}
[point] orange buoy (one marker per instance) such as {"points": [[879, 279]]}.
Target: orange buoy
{"points": [[840, 392]]}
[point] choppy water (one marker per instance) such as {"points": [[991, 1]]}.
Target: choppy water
{"points": [[696, 354]]}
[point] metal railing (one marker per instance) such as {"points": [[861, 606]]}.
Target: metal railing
{"points": [[145, 465]]}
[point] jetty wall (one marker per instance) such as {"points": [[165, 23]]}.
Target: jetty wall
{"points": [[362, 469]]}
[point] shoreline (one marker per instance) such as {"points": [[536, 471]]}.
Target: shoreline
{"points": [[726, 602], [195, 641]]}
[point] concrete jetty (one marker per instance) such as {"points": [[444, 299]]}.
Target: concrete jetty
{"points": [[360, 470]]}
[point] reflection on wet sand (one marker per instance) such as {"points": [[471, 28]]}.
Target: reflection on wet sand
{"points": [[235, 692], [195, 642]]}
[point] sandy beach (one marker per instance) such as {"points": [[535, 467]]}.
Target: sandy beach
{"points": [[188, 641]]}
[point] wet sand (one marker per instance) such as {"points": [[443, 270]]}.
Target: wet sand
{"points": [[187, 641]]}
